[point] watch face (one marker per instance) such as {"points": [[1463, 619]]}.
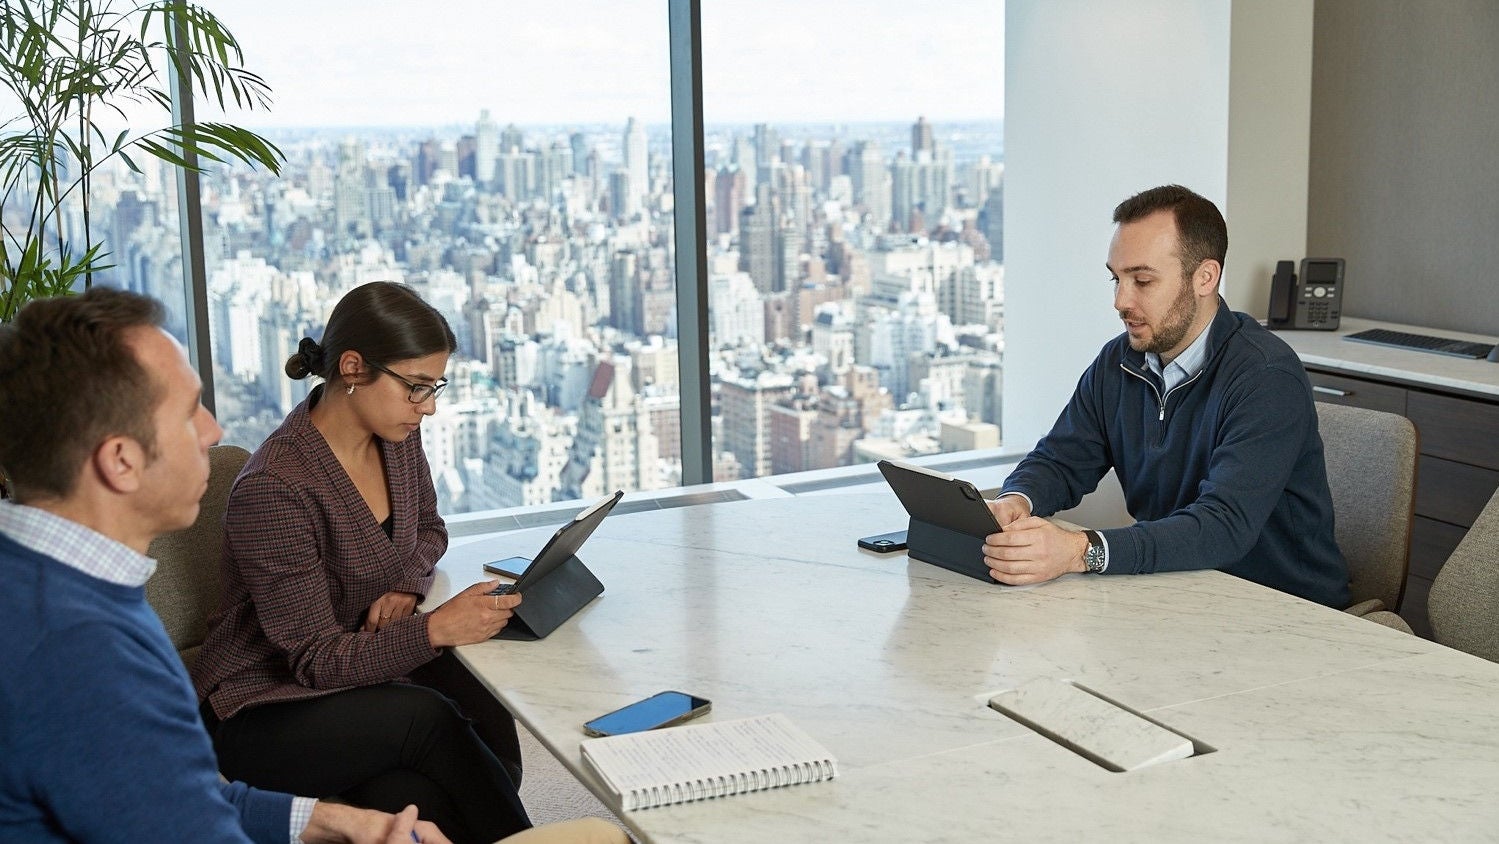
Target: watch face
{"points": [[1093, 557]]}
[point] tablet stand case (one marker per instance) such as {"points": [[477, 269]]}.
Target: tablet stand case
{"points": [[949, 518], [553, 599], [947, 548]]}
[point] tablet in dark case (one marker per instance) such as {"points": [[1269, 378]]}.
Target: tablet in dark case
{"points": [[557, 584], [949, 518]]}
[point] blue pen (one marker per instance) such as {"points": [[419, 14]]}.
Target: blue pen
{"points": [[415, 837]]}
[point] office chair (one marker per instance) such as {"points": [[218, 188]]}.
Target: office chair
{"points": [[185, 588], [1464, 602], [1371, 469]]}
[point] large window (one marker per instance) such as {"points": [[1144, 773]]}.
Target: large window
{"points": [[513, 166], [516, 168], [854, 203]]}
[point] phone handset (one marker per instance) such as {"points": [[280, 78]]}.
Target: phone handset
{"points": [[1282, 292], [1312, 300]]}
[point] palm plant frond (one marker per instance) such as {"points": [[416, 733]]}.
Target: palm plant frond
{"points": [[73, 67]]}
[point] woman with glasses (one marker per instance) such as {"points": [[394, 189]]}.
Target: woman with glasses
{"points": [[318, 676]]}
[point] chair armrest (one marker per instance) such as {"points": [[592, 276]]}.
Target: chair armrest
{"points": [[1391, 620], [1364, 608]]}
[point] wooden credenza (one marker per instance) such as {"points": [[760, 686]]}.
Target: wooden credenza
{"points": [[1454, 404]]}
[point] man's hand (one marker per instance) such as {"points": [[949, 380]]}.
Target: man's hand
{"points": [[1033, 550], [1008, 509], [335, 823], [388, 608]]}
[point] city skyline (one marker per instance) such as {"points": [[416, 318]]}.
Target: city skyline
{"points": [[855, 307]]}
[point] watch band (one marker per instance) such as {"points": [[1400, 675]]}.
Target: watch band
{"points": [[1094, 557]]}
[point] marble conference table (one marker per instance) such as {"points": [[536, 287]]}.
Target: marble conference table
{"points": [[1308, 724]]}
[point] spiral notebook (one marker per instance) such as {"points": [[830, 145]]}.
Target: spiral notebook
{"points": [[699, 761]]}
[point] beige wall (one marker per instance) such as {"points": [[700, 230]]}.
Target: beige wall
{"points": [[1404, 179], [1269, 131]]}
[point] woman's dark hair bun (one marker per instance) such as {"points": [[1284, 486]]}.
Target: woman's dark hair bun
{"points": [[382, 322], [307, 361]]}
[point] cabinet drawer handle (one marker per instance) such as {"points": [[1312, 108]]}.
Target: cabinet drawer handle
{"points": [[1330, 391]]}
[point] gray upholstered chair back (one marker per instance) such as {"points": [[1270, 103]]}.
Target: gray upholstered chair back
{"points": [[1371, 467], [1464, 602], [185, 588]]}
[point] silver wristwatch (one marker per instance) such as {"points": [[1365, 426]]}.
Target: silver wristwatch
{"points": [[1093, 558]]}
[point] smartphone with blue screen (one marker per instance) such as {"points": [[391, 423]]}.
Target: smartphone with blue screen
{"points": [[658, 710], [509, 567]]}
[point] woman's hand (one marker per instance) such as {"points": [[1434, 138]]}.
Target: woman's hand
{"points": [[472, 615], [388, 608]]}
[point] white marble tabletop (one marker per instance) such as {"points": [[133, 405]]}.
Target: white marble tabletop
{"points": [[1329, 349], [1310, 724]]}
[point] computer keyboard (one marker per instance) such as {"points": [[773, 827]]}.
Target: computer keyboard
{"points": [[1421, 343]]}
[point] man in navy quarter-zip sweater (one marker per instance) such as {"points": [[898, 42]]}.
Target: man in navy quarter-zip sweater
{"points": [[1206, 418]]}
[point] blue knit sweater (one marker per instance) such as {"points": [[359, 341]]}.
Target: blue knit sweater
{"points": [[1224, 472], [100, 738]]}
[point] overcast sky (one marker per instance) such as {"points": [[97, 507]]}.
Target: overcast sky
{"points": [[437, 62]]}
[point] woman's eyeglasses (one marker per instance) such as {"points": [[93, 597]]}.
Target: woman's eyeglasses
{"points": [[419, 392]]}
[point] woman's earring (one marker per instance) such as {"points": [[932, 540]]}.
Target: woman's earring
{"points": [[350, 391]]}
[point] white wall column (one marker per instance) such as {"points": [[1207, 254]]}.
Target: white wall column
{"points": [[1102, 100]]}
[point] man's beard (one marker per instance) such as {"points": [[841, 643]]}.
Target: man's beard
{"points": [[1174, 325]]}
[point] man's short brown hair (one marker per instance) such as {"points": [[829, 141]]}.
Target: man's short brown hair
{"points": [[1201, 234], [68, 380]]}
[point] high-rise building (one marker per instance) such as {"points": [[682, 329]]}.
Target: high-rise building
{"points": [[815, 162], [556, 166], [465, 150], [512, 139], [757, 227], [921, 137], [746, 407], [983, 389], [767, 145], [992, 222], [624, 292], [614, 447], [637, 163], [871, 183], [833, 165], [486, 148], [748, 161], [728, 199], [580, 149], [735, 313], [624, 202], [788, 255], [791, 423], [517, 174]]}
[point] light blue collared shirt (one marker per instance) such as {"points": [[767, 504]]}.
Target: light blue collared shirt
{"points": [[96, 555], [1186, 365]]}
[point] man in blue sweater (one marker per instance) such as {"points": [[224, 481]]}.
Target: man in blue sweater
{"points": [[105, 445], [1206, 418]]}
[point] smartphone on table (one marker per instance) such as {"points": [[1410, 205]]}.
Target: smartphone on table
{"points": [[659, 710], [884, 543], [509, 567]]}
